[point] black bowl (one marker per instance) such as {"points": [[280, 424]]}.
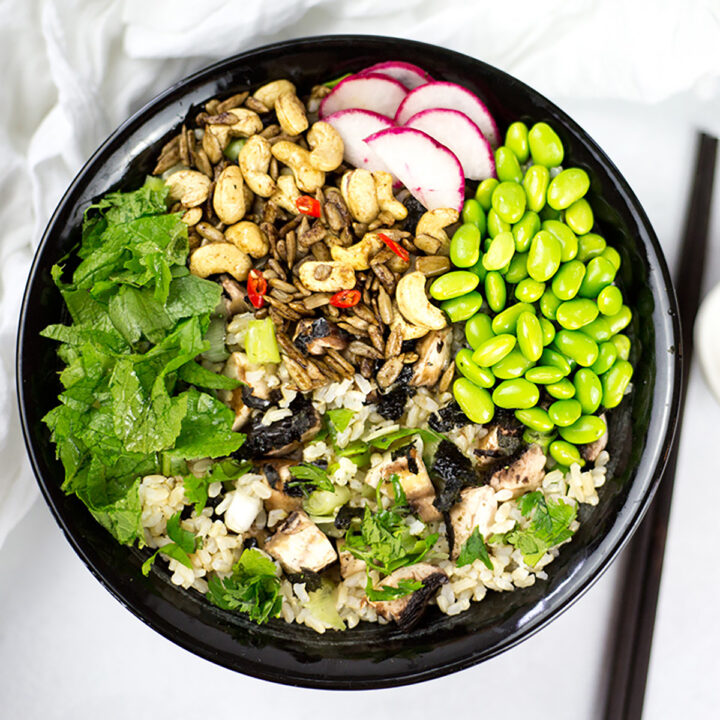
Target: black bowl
{"points": [[368, 656]]}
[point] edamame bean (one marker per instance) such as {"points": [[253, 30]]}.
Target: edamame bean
{"points": [[574, 314], [482, 377], [549, 303], [529, 335], [546, 148], [529, 290], [565, 453], [622, 344], [508, 201], [590, 246], [493, 350], [513, 365], [232, 151], [598, 330], [579, 217], [565, 236], [536, 419], [544, 256], [588, 390], [599, 273], [586, 429], [548, 213], [484, 192], [506, 321], [474, 401], [517, 269], [610, 300], [561, 390], [473, 213], [495, 291], [518, 394], [620, 320], [548, 330], [578, 346], [525, 230], [465, 245], [507, 167], [607, 355], [568, 280], [500, 252], [463, 307], [516, 139], [453, 284], [478, 329], [495, 224], [567, 187], [615, 382], [544, 374], [613, 256], [479, 269], [556, 359], [535, 183]]}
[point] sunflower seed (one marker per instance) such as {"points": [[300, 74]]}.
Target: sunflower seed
{"points": [[363, 350], [232, 102], [209, 232], [203, 163], [432, 265], [389, 372], [301, 378], [409, 357], [278, 268], [377, 339], [385, 306], [166, 161], [316, 233], [384, 276], [393, 346], [254, 104], [317, 300], [320, 252], [446, 378]]}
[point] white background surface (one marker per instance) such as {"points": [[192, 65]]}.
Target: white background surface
{"points": [[69, 650]]}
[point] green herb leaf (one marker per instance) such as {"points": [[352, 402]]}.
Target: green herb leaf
{"points": [[405, 586], [340, 418], [311, 476], [195, 374], [196, 488], [182, 538], [385, 441], [399, 492], [474, 549]]}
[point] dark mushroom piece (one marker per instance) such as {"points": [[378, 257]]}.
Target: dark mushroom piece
{"points": [[314, 336], [522, 473], [300, 546], [503, 439], [434, 351], [245, 398], [282, 497], [475, 509], [448, 417]]}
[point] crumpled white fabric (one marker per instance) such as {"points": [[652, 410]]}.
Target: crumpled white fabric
{"points": [[75, 69]]}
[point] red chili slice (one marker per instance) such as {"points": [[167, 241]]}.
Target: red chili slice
{"points": [[345, 298], [399, 250], [256, 287], [308, 206]]}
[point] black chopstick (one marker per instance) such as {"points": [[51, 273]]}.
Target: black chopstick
{"points": [[641, 580]]}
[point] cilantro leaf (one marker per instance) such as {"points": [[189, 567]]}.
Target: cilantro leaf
{"points": [[183, 544], [474, 549], [399, 492], [310, 477], [196, 488], [405, 586], [340, 418]]}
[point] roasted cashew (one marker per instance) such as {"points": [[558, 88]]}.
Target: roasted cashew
{"points": [[431, 224], [192, 216], [248, 123], [229, 197], [249, 238], [414, 304], [385, 197], [358, 255], [307, 178], [358, 191], [287, 194], [291, 113], [327, 147], [217, 258], [190, 187], [332, 276], [407, 330], [268, 94], [254, 161]]}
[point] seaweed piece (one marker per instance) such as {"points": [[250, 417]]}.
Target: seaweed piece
{"points": [[454, 472], [415, 212], [257, 403], [345, 516], [447, 418], [311, 579], [391, 405]]}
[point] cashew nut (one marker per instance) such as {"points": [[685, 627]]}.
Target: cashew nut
{"points": [[287, 194], [190, 187], [228, 197], [414, 304], [307, 178], [248, 123], [268, 94], [327, 147], [217, 258], [192, 216], [385, 197], [254, 161], [431, 225], [327, 276], [249, 238], [291, 113], [407, 331], [358, 190], [358, 255]]}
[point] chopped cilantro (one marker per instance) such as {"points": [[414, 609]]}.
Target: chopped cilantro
{"points": [[474, 549], [183, 544], [196, 488], [310, 477], [340, 418], [404, 587]]}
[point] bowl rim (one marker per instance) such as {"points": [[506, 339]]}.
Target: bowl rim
{"points": [[425, 671]]}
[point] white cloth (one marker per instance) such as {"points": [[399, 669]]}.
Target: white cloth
{"points": [[75, 69]]}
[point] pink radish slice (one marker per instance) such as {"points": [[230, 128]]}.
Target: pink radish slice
{"points": [[430, 171], [354, 126], [457, 132], [452, 96], [411, 76], [378, 93]]}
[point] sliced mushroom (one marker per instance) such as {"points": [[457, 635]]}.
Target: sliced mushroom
{"points": [[407, 610], [300, 546], [503, 439], [434, 351], [242, 511], [476, 509], [349, 564], [523, 474], [313, 336], [277, 475]]}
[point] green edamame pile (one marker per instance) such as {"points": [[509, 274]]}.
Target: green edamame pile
{"points": [[536, 289]]}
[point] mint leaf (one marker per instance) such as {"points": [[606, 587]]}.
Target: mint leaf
{"points": [[182, 538], [195, 374], [310, 477], [474, 549]]}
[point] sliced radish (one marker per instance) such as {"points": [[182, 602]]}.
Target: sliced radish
{"points": [[375, 92], [452, 96], [457, 132], [432, 174], [411, 76], [354, 126]]}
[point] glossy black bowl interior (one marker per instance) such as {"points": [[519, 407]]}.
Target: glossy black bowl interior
{"points": [[368, 656]]}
